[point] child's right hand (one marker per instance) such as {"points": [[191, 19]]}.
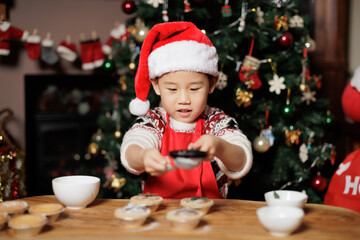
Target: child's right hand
{"points": [[155, 164]]}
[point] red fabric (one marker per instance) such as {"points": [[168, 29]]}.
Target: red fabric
{"points": [[92, 55], [351, 103], [344, 187], [250, 77], [33, 50], [6, 35], [180, 183]]}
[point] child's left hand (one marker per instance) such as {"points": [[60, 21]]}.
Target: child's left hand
{"points": [[206, 143]]}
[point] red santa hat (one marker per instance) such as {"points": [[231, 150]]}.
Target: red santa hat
{"points": [[170, 47], [351, 98], [67, 50]]}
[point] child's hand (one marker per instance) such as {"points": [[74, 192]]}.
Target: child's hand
{"points": [[206, 143], [155, 163]]}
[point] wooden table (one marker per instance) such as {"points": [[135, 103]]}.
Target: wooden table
{"points": [[228, 219]]}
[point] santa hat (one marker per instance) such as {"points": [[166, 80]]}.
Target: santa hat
{"points": [[116, 34], [67, 50], [343, 190], [170, 47], [351, 98]]}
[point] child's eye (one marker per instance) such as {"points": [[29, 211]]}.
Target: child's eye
{"points": [[194, 89], [172, 89]]}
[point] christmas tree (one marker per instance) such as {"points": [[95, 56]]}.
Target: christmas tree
{"points": [[265, 84]]}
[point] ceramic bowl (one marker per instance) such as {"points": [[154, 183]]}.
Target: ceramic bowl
{"points": [[280, 221], [187, 159], [26, 225], [50, 210], [286, 198], [76, 192]]}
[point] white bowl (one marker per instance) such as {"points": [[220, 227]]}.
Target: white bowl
{"points": [[286, 198], [76, 192], [280, 221]]}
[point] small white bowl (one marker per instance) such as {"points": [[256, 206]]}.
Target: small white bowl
{"points": [[76, 192], [280, 221], [286, 198]]}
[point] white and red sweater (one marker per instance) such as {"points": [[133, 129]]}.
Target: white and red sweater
{"points": [[148, 131]]}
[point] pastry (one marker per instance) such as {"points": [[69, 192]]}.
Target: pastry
{"points": [[184, 218], [13, 206], [199, 203], [148, 200], [26, 225], [50, 210], [132, 215]]}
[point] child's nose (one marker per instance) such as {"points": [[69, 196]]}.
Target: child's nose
{"points": [[184, 97]]}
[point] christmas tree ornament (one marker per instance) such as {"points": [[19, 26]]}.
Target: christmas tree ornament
{"points": [[243, 97], [165, 16], [281, 23], [319, 183], [155, 3], [8, 33], [226, 9], [141, 30], [122, 83], [350, 99], [249, 70], [67, 49], [48, 54], [267, 130], [303, 153], [109, 63], [118, 34], [244, 10], [93, 148], [91, 52], [222, 82], [277, 83], [310, 43], [261, 144], [296, 21], [260, 16], [286, 40], [329, 118], [128, 6], [303, 87], [97, 136], [32, 45], [117, 134], [292, 136], [318, 80], [187, 7], [308, 96], [117, 183]]}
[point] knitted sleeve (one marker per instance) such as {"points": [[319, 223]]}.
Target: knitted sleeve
{"points": [[225, 127], [146, 133]]}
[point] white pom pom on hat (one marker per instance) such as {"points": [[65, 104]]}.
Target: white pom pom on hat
{"points": [[170, 47]]}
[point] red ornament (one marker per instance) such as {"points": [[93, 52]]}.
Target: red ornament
{"points": [[286, 40], [319, 183], [129, 6]]}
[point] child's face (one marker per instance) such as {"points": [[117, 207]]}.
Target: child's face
{"points": [[183, 94]]}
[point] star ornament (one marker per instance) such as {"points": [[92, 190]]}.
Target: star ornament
{"points": [[277, 84], [308, 96]]}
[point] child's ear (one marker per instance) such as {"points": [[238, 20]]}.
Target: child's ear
{"points": [[155, 84], [213, 82]]}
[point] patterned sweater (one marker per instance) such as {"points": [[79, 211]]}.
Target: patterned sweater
{"points": [[148, 130]]}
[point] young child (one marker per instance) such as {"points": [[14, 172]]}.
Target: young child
{"points": [[181, 64]]}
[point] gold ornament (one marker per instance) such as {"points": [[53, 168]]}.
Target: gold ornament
{"points": [[292, 137], [122, 83], [243, 97], [303, 87], [93, 148], [117, 183], [117, 134], [281, 22], [261, 144]]}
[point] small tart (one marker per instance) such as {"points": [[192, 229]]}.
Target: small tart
{"points": [[3, 217], [184, 214], [27, 221], [46, 208], [197, 202], [13, 206], [146, 199], [132, 211]]}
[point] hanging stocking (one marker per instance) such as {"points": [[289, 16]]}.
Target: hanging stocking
{"points": [[165, 16], [48, 55], [67, 50], [7, 32], [116, 35], [249, 70], [91, 53], [32, 45]]}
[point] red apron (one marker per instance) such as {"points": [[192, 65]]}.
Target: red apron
{"points": [[181, 183]]}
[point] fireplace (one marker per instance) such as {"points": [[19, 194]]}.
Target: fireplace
{"points": [[61, 115]]}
